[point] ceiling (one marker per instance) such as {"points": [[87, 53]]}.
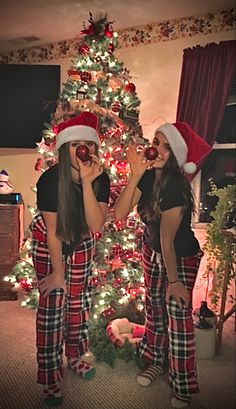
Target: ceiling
{"points": [[53, 20]]}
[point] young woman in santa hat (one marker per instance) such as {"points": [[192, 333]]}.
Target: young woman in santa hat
{"points": [[171, 253], [72, 201]]}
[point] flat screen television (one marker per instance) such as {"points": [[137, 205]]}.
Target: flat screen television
{"points": [[28, 98]]}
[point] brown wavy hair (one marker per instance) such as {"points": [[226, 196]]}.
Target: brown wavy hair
{"points": [[71, 223], [171, 169]]}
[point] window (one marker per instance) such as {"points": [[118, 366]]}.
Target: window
{"points": [[220, 164]]}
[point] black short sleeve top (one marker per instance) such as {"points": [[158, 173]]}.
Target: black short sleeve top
{"points": [[47, 189], [185, 242]]}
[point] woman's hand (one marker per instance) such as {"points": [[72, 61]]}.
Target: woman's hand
{"points": [[138, 163], [89, 171], [51, 282], [179, 292]]}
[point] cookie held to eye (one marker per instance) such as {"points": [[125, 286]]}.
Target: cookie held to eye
{"points": [[151, 153], [82, 152]]}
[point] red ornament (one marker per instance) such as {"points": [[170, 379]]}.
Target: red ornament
{"points": [[38, 164], [131, 223], [107, 31], [85, 76], [82, 152], [130, 87], [116, 250], [151, 153], [73, 72], [111, 48], [108, 312], [83, 49], [25, 284]]}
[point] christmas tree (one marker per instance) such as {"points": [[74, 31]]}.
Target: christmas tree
{"points": [[99, 83]]}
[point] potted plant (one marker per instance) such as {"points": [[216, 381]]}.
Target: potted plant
{"points": [[220, 247]]}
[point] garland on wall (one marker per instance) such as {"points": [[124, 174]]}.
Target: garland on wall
{"points": [[153, 33]]}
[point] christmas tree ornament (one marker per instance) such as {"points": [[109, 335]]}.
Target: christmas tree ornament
{"points": [[130, 87], [49, 141], [116, 106], [131, 222], [116, 250], [98, 60], [38, 164], [73, 72], [99, 96], [85, 76], [82, 152], [151, 153], [83, 49], [108, 312], [81, 94], [107, 31], [111, 48]]}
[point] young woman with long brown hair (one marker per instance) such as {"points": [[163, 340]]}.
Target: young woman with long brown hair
{"points": [[171, 253], [72, 201]]}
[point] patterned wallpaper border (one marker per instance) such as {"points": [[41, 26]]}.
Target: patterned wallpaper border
{"points": [[132, 37]]}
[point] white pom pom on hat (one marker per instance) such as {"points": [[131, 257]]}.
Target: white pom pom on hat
{"points": [[188, 147], [83, 127]]}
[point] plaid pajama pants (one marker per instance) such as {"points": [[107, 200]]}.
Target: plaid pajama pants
{"points": [[169, 330], [61, 319]]}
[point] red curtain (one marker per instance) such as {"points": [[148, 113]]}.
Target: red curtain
{"points": [[206, 77]]}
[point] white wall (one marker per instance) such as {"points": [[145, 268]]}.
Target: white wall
{"points": [[155, 69]]}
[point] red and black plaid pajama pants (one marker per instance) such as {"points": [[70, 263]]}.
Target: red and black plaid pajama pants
{"points": [[61, 319], [169, 330]]}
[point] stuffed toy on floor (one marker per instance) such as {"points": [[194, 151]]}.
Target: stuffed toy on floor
{"points": [[120, 329]]}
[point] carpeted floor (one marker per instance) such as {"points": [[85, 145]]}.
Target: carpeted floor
{"points": [[112, 388]]}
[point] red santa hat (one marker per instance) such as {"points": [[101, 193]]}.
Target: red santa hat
{"points": [[83, 127], [187, 146]]}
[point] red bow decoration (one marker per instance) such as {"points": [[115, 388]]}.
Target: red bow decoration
{"points": [[89, 30]]}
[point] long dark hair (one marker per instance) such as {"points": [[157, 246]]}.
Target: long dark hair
{"points": [[171, 169], [71, 223]]}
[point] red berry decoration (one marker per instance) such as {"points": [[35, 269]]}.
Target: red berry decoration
{"points": [[82, 152], [151, 153]]}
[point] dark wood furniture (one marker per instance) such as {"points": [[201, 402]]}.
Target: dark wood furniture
{"points": [[11, 216]]}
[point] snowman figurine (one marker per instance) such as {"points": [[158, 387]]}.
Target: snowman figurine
{"points": [[5, 186]]}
